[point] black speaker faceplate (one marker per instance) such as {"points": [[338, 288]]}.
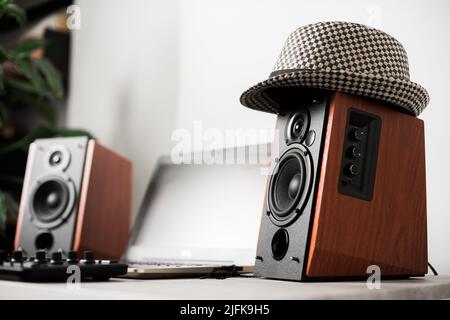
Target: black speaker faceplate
{"points": [[295, 214], [52, 163]]}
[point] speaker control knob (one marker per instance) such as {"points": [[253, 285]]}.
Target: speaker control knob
{"points": [[41, 256], [56, 258], [72, 257], [356, 134], [351, 170], [17, 256], [89, 257], [354, 152]]}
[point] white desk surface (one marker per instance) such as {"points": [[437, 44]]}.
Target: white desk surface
{"points": [[430, 287]]}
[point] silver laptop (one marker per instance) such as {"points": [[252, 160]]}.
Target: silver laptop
{"points": [[199, 219]]}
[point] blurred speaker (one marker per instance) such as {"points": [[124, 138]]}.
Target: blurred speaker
{"points": [[76, 196], [347, 190]]}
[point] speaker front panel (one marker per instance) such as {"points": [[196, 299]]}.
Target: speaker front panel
{"points": [[285, 224], [50, 194]]}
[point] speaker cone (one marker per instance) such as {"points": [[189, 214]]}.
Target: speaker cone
{"points": [[50, 200], [287, 184]]}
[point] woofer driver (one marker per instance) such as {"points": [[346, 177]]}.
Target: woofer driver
{"points": [[52, 201], [289, 185]]}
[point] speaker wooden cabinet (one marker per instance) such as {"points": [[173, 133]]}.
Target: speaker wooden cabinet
{"points": [[348, 190]]}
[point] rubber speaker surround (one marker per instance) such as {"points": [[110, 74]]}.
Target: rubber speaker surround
{"points": [[290, 185]]}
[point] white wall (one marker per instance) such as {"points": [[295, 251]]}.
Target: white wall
{"points": [[144, 67], [124, 79]]}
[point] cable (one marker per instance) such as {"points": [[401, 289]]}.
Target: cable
{"points": [[223, 272], [432, 269]]}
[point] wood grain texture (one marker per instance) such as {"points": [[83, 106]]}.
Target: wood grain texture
{"points": [[23, 198], [104, 214], [349, 234]]}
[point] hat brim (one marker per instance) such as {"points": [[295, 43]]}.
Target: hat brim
{"points": [[402, 93]]}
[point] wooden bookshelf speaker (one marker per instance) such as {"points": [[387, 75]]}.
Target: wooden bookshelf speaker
{"points": [[347, 190], [76, 196]]}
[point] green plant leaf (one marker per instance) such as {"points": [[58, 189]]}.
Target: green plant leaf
{"points": [[22, 92], [3, 55], [12, 206], [9, 209], [23, 143], [65, 132], [43, 107], [21, 85], [52, 76], [24, 49], [27, 68], [17, 13], [42, 132], [3, 5]]}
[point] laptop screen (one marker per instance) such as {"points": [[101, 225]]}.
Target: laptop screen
{"points": [[200, 213]]}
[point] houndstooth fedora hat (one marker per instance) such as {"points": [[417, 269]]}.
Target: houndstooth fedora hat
{"points": [[342, 56]]}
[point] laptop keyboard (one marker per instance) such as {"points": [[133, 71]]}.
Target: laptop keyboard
{"points": [[167, 265]]}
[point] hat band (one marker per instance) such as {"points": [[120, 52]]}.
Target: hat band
{"points": [[283, 71]]}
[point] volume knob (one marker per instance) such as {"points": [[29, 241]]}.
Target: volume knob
{"points": [[72, 257], [351, 169], [357, 134], [17, 256], [41, 256], [56, 258], [354, 152], [89, 257]]}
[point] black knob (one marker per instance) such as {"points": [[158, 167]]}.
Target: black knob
{"points": [[17, 256], [89, 257], [357, 134], [354, 152], [56, 258], [41, 256], [72, 257], [351, 169]]}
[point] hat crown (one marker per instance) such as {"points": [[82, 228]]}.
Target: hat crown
{"points": [[343, 46]]}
